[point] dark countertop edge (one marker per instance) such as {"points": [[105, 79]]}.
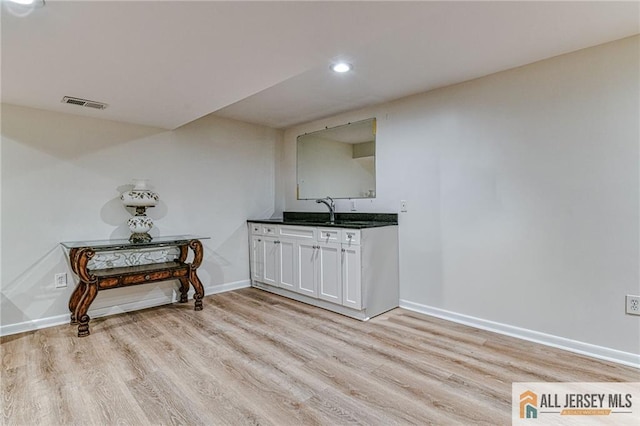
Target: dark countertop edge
{"points": [[290, 216], [374, 220], [323, 225]]}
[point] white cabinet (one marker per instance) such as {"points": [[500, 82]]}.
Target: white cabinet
{"points": [[297, 252], [270, 260], [319, 271], [273, 261], [329, 272], [264, 254], [350, 271], [287, 263], [307, 260], [351, 278], [257, 258]]}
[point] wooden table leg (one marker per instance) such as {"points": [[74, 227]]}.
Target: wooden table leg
{"points": [[74, 300], [197, 285], [184, 290], [91, 290], [85, 291], [196, 246]]}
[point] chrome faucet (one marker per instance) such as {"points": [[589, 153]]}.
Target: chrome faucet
{"points": [[328, 201]]}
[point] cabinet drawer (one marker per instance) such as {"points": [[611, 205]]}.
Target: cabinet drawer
{"points": [[329, 235], [148, 277], [141, 278], [269, 230], [299, 232], [256, 229], [109, 282], [351, 236]]}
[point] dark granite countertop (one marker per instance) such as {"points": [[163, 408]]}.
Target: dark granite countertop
{"points": [[343, 220]]}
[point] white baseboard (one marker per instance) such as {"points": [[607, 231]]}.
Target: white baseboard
{"points": [[116, 308], [594, 351]]}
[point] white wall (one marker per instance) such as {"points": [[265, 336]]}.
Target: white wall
{"points": [[523, 194], [61, 180]]}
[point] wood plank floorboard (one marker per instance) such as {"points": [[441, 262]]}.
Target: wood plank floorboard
{"points": [[255, 358]]}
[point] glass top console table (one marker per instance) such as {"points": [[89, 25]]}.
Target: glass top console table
{"points": [[106, 264]]}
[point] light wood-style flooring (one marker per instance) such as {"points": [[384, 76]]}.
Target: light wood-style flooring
{"points": [[251, 357]]}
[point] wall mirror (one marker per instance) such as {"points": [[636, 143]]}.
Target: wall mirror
{"points": [[339, 162]]}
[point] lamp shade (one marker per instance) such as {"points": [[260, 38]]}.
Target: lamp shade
{"points": [[140, 195]]}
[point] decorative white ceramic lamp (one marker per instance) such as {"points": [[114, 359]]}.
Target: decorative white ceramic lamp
{"points": [[140, 197]]}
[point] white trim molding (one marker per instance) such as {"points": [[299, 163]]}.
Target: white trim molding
{"points": [[120, 306], [582, 348]]}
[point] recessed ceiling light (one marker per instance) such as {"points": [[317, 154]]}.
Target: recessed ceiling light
{"points": [[22, 8], [341, 67], [28, 2]]}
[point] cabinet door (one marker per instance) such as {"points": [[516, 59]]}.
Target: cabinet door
{"points": [[288, 264], [270, 260], [257, 258], [351, 277], [307, 258], [329, 277]]}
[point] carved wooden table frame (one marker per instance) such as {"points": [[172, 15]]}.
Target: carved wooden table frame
{"points": [[93, 280]]}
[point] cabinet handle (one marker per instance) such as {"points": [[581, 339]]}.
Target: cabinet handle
{"points": [[147, 277], [343, 250], [259, 240]]}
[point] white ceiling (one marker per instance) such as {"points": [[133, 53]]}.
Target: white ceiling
{"points": [[166, 63]]}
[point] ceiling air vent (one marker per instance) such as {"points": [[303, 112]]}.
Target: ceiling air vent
{"points": [[83, 102]]}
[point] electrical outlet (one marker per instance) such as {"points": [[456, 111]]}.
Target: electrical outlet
{"points": [[403, 206], [633, 305], [60, 280]]}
